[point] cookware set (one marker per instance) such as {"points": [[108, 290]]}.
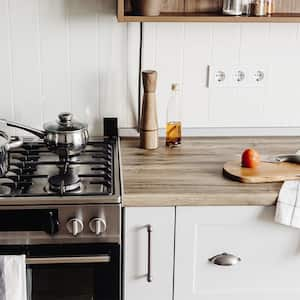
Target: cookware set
{"points": [[66, 137]]}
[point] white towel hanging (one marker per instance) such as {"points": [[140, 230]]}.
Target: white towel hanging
{"points": [[288, 204], [13, 277]]}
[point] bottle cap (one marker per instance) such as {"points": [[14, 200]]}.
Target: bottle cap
{"points": [[175, 87]]}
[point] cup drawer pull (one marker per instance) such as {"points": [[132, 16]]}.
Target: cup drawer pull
{"points": [[225, 259]]}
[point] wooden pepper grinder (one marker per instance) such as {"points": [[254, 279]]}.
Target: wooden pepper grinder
{"points": [[149, 124]]}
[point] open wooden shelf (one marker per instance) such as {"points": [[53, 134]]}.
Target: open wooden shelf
{"points": [[286, 11], [210, 17]]}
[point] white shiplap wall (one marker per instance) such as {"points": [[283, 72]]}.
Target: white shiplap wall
{"points": [[72, 55], [182, 52]]}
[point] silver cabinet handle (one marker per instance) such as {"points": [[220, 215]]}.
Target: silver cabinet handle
{"points": [[225, 259], [67, 260], [149, 272]]}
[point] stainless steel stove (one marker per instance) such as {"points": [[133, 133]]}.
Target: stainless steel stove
{"points": [[64, 215], [38, 176], [57, 201]]}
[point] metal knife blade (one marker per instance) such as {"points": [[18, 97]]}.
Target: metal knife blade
{"points": [[292, 158]]}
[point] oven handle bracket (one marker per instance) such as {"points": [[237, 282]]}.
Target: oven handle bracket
{"points": [[67, 260]]}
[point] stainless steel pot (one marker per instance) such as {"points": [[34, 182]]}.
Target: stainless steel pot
{"points": [[66, 137], [7, 143]]}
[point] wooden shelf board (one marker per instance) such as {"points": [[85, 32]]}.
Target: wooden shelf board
{"points": [[194, 17]]}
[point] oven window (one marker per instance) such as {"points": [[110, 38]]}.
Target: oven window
{"points": [[62, 283], [71, 272]]}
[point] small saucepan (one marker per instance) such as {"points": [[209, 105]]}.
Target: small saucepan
{"points": [[65, 137], [7, 143]]}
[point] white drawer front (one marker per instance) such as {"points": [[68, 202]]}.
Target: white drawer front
{"points": [[270, 253]]}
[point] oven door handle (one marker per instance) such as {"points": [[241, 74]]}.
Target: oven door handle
{"points": [[68, 260]]}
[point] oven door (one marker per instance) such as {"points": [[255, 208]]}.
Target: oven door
{"points": [[71, 272]]}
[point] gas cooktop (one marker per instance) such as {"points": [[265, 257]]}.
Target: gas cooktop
{"points": [[37, 173]]}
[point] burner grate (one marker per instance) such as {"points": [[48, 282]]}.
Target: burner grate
{"points": [[35, 171]]}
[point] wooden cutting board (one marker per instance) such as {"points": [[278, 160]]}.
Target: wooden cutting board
{"points": [[266, 172]]}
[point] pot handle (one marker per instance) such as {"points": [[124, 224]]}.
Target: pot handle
{"points": [[15, 142], [39, 133]]}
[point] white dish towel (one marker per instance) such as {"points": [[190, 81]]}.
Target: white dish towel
{"points": [[13, 277], [288, 204]]}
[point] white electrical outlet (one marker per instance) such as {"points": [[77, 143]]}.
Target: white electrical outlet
{"points": [[238, 76], [257, 76], [218, 77]]}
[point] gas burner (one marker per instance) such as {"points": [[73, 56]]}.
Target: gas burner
{"points": [[64, 190], [7, 186], [66, 181], [5, 190]]}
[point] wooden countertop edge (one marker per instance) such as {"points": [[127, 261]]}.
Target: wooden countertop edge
{"points": [[156, 200]]}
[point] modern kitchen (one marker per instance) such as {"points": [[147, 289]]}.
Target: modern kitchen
{"points": [[149, 149]]}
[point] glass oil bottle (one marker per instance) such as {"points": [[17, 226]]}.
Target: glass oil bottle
{"points": [[173, 126]]}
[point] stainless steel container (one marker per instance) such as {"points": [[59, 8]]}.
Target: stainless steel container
{"points": [[260, 8], [233, 7], [66, 137], [7, 143]]}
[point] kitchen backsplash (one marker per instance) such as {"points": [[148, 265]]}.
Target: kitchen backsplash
{"points": [[182, 52], [58, 55], [72, 55]]}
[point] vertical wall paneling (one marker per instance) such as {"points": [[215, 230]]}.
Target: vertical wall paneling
{"points": [[282, 102], [113, 63], [254, 54], [6, 91], [169, 62], [66, 55], [197, 57], [83, 58], [182, 52], [26, 67], [225, 51], [53, 16], [133, 43], [148, 55], [74, 55], [149, 46]]}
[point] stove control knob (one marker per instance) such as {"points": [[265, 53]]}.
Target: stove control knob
{"points": [[75, 226], [97, 225]]}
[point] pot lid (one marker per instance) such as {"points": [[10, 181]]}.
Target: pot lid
{"points": [[65, 123], [3, 139]]}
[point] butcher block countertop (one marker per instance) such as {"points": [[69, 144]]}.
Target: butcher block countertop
{"points": [[191, 174]]}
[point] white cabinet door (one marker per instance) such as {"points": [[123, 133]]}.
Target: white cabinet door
{"points": [[270, 255], [136, 269]]}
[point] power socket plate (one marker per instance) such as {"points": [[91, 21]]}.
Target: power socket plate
{"points": [[237, 76]]}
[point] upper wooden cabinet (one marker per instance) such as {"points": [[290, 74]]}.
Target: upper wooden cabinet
{"points": [[286, 11]]}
